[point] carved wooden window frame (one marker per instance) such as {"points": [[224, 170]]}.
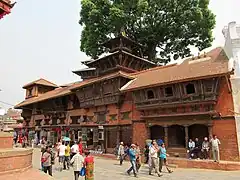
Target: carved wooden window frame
{"points": [[185, 88], [153, 92], [205, 83], [165, 94], [113, 117], [125, 115]]}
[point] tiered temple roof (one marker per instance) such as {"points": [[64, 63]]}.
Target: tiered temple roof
{"points": [[5, 7]]}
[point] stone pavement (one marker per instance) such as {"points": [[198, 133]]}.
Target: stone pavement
{"points": [[106, 169]]}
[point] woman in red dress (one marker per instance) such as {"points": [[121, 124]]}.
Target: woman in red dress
{"points": [[89, 165]]}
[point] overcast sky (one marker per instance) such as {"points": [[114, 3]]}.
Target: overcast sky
{"points": [[41, 38]]}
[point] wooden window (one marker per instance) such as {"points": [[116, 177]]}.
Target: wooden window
{"points": [[208, 86], [190, 88], [113, 117], [30, 92], [150, 94], [168, 91], [125, 115], [101, 118]]}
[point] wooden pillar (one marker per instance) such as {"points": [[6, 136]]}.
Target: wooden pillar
{"points": [[210, 130], [166, 135], [186, 136], [118, 134]]}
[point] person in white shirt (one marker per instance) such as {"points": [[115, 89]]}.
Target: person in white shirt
{"points": [[77, 162], [74, 149], [191, 146], [153, 154], [215, 148], [61, 154]]}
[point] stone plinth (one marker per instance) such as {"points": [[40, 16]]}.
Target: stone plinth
{"points": [[15, 160], [6, 140]]}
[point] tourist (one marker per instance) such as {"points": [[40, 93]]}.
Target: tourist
{"points": [[77, 162], [132, 157], [89, 165], [205, 148], [153, 151], [66, 163], [46, 161], [121, 153], [74, 149], [197, 149], [215, 148], [15, 137], [163, 159], [61, 155], [146, 153], [80, 146], [138, 157], [191, 146]]}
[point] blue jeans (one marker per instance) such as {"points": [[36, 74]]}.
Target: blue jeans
{"points": [[133, 167]]}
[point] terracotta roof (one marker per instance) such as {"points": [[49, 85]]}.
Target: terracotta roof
{"points": [[93, 80], [65, 90], [213, 63], [40, 81], [58, 92]]}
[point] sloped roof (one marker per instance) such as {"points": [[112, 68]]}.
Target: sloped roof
{"points": [[93, 80], [66, 90], [213, 63], [58, 92], [40, 81]]}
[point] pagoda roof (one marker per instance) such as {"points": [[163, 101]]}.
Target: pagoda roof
{"points": [[108, 44], [40, 81], [118, 52], [85, 69], [212, 64]]}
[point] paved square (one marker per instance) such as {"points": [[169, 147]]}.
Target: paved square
{"points": [[106, 169]]}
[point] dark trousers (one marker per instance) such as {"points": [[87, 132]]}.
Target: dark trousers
{"points": [[76, 175], [133, 168], [121, 158], [205, 154], [163, 162], [66, 163], [146, 158], [48, 169]]}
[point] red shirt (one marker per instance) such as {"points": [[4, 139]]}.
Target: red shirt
{"points": [[80, 147]]}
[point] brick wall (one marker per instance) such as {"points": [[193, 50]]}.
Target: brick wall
{"points": [[226, 132], [225, 128], [14, 160], [6, 142], [139, 133]]}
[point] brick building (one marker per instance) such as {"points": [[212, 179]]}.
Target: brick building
{"points": [[124, 97]]}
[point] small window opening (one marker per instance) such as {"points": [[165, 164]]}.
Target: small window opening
{"points": [[150, 94], [168, 91], [190, 89]]}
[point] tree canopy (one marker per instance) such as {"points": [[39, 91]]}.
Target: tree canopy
{"points": [[165, 27]]}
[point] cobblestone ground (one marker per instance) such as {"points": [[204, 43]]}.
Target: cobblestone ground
{"points": [[106, 169]]}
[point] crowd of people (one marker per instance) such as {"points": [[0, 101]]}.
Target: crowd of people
{"points": [[74, 156], [156, 154], [156, 157], [197, 150]]}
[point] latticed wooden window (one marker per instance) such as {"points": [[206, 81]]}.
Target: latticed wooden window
{"points": [[125, 115], [208, 85], [113, 117]]}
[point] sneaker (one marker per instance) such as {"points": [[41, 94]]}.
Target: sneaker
{"points": [[159, 175], [128, 173]]}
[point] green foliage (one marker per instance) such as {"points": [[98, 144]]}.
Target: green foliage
{"points": [[166, 27]]}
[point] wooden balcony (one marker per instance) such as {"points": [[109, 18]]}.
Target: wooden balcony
{"points": [[175, 101]]}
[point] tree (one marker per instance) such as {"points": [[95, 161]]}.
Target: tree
{"points": [[165, 27]]}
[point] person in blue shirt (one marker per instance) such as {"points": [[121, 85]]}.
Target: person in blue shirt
{"points": [[163, 158], [132, 157]]}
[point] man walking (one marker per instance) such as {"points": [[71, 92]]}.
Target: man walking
{"points": [[215, 148], [66, 163], [132, 156], [153, 152], [47, 161], [121, 153]]}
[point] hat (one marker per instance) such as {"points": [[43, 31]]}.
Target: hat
{"points": [[133, 145], [121, 143]]}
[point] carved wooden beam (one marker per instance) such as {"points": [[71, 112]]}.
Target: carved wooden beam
{"points": [[228, 85]]}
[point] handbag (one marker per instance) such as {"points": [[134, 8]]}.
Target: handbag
{"points": [[82, 171]]}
